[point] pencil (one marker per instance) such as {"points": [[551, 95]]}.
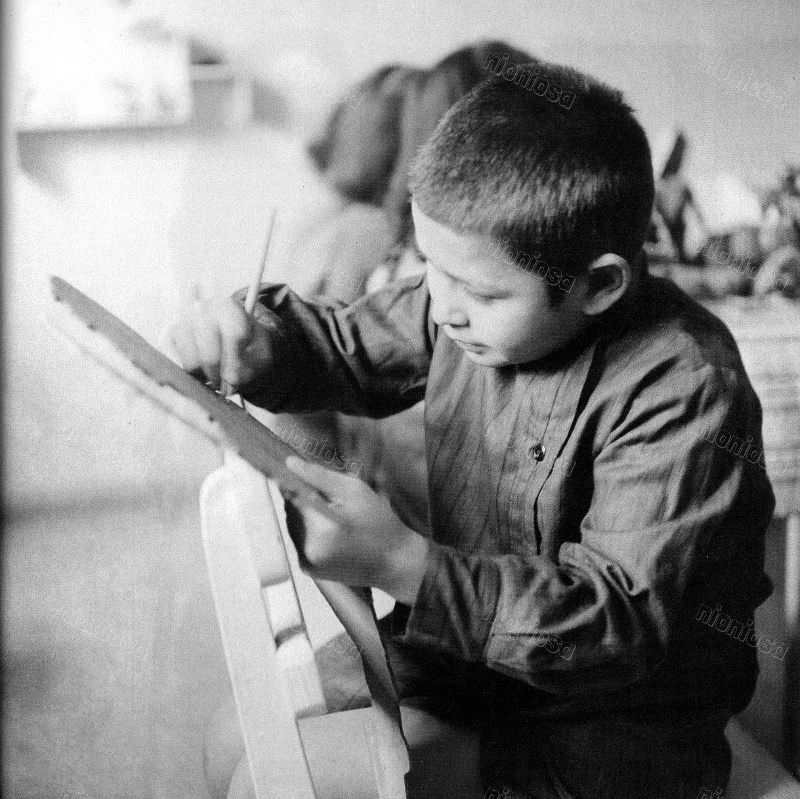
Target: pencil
{"points": [[255, 285]]}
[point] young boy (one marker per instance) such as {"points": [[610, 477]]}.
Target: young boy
{"points": [[582, 514]]}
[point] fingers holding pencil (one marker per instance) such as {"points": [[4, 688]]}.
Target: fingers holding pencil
{"points": [[255, 284], [212, 339], [218, 338]]}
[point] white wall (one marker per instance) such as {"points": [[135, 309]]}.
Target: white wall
{"points": [[133, 219], [653, 51], [112, 652]]}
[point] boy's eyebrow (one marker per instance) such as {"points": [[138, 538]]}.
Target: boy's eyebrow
{"points": [[492, 288]]}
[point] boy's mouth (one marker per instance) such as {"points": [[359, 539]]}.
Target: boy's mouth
{"points": [[469, 346]]}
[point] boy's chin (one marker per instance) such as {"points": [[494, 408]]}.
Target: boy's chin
{"points": [[497, 360], [487, 358]]}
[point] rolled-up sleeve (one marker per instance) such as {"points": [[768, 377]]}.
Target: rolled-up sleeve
{"points": [[667, 500], [369, 358]]}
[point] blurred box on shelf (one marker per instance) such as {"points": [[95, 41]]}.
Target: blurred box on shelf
{"points": [[221, 95]]}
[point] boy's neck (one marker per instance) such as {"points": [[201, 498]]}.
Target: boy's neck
{"points": [[614, 319]]}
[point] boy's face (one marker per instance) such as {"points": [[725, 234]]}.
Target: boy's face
{"points": [[498, 313]]}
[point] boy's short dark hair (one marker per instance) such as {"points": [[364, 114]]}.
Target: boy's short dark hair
{"points": [[554, 183]]}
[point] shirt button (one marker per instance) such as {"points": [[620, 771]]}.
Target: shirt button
{"points": [[537, 451]]}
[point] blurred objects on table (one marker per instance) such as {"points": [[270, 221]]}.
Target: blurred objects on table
{"points": [[752, 246]]}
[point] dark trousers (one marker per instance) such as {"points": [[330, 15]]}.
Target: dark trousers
{"points": [[608, 757]]}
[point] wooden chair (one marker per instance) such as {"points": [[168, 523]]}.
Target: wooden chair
{"points": [[295, 748]]}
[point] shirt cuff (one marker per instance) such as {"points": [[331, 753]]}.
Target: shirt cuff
{"points": [[455, 605]]}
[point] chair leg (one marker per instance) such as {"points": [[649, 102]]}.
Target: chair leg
{"points": [[791, 691]]}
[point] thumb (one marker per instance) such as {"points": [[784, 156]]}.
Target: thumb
{"points": [[237, 331], [330, 483]]}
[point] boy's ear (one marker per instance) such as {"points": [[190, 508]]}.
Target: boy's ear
{"points": [[607, 279]]}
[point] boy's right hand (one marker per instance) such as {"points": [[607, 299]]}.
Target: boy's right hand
{"points": [[216, 340]]}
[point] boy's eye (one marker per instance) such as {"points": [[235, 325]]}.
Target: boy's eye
{"points": [[481, 296]]}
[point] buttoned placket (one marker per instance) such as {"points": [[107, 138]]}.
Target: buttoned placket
{"points": [[553, 408], [538, 394]]}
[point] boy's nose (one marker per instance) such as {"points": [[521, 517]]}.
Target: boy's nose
{"points": [[445, 310]]}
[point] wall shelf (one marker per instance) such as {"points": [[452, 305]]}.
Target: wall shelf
{"points": [[222, 98]]}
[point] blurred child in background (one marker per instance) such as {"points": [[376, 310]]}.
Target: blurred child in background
{"points": [[366, 240]]}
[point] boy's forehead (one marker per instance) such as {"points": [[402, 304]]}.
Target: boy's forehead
{"points": [[443, 240]]}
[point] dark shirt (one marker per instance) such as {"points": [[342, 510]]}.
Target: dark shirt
{"points": [[584, 522]]}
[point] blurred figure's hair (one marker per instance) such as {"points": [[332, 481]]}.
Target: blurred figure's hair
{"points": [[373, 134], [563, 182], [358, 147]]}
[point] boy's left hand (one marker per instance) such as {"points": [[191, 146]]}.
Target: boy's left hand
{"points": [[366, 545]]}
